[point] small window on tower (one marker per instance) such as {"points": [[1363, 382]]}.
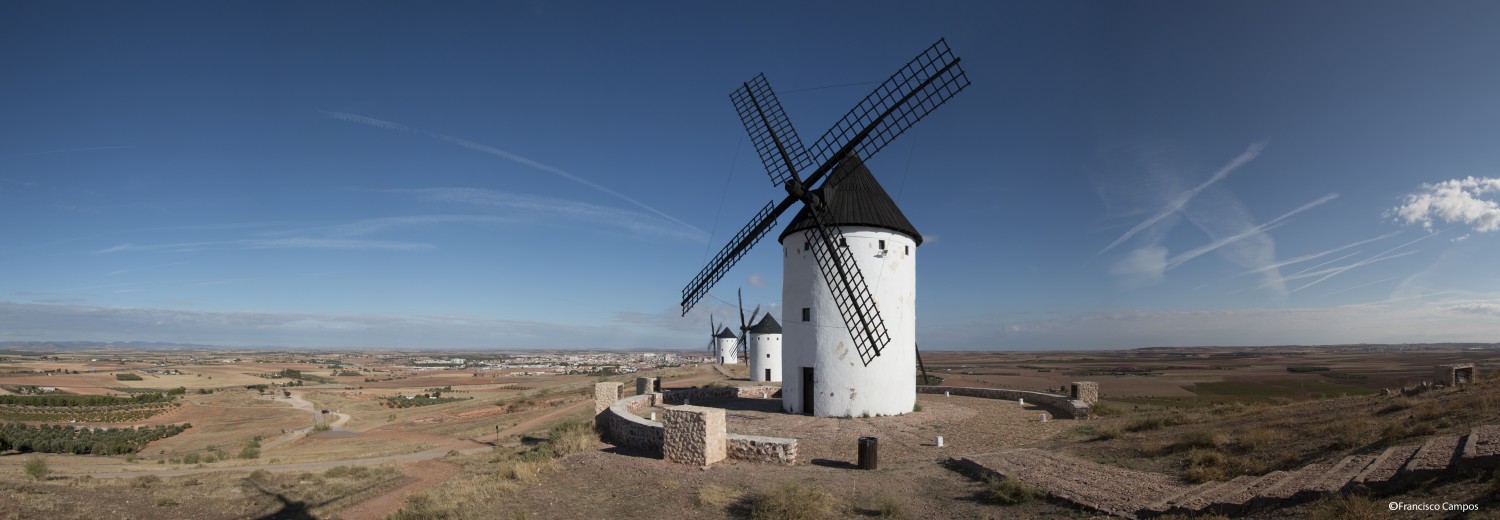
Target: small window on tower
{"points": [[807, 245], [882, 246], [908, 250], [806, 314], [843, 241]]}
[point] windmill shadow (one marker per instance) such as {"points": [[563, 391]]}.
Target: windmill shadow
{"points": [[296, 509], [835, 464]]}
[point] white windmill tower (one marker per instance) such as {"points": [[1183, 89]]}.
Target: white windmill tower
{"points": [[765, 350], [848, 349], [727, 347]]}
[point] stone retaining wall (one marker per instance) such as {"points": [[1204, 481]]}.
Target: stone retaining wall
{"points": [[770, 450], [621, 425], [710, 394], [1061, 405]]}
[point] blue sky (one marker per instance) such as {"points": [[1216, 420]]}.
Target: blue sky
{"points": [[535, 175]]}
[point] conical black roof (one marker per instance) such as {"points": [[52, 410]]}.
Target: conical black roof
{"points": [[725, 334], [854, 198], [767, 325]]}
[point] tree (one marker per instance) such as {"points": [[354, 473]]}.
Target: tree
{"points": [[36, 467], [288, 393]]}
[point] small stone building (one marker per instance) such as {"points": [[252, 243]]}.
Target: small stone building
{"points": [[1455, 374], [1086, 391]]}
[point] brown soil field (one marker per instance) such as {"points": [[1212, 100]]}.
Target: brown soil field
{"points": [[1242, 395]]}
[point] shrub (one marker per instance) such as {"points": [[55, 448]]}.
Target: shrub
{"points": [[1258, 438], [36, 467], [1146, 424], [1103, 410], [889, 506], [1346, 433], [916, 407], [1007, 491], [322, 427], [795, 501], [1203, 439], [191, 458], [250, 452], [571, 437], [145, 481], [1401, 403], [716, 496]]}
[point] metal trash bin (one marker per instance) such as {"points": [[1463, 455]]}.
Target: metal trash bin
{"points": [[869, 452]]}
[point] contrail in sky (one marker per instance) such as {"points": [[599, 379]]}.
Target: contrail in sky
{"points": [[1202, 250], [387, 125], [1182, 199]]}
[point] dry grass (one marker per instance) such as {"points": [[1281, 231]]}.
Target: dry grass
{"points": [[792, 500], [1203, 439], [571, 437], [887, 505], [1258, 439], [715, 496], [1347, 507], [1007, 491]]}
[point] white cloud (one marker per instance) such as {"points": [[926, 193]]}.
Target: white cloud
{"points": [[1455, 201], [1411, 321], [1480, 308], [756, 280], [41, 322]]}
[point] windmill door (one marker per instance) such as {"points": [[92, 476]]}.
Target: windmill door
{"points": [[807, 390]]}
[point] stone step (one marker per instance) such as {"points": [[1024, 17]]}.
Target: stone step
{"points": [[1175, 500], [1436, 454], [1339, 476], [1255, 489], [1482, 441], [1386, 465], [1236, 492], [1110, 489], [1298, 481], [1218, 494]]}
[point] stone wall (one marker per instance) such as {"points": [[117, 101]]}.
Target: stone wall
{"points": [[621, 426], [645, 385], [1061, 405], [1453, 375], [695, 435], [1086, 391], [711, 394], [771, 450], [605, 394]]}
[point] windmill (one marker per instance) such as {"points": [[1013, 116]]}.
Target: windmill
{"points": [[836, 292], [743, 347]]}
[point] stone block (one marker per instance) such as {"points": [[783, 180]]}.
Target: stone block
{"points": [[645, 385], [695, 435], [1454, 375], [1086, 391], [606, 394]]}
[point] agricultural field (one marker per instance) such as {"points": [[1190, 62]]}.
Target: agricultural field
{"points": [[272, 426]]}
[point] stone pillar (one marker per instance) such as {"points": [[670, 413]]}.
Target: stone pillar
{"points": [[695, 435], [605, 394], [1086, 391], [645, 385]]}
